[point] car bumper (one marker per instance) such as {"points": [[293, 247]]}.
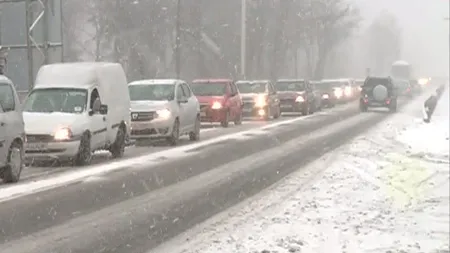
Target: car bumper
{"points": [[292, 106], [51, 150], [154, 129], [251, 110], [211, 115]]}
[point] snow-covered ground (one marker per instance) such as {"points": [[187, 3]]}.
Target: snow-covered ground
{"points": [[387, 191]]}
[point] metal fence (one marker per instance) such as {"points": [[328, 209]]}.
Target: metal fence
{"points": [[31, 31]]}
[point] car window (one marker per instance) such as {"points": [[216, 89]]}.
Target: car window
{"points": [[186, 90], [7, 97], [209, 89], [180, 92]]}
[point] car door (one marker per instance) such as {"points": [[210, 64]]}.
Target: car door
{"points": [[235, 100], [273, 97], [192, 106], [182, 108], [98, 122], [3, 137]]}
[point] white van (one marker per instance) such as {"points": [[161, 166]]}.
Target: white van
{"points": [[75, 109]]}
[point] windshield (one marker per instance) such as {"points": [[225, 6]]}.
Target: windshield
{"points": [[156, 92], [401, 71], [291, 86], [209, 89], [248, 87], [6, 96], [56, 100]]}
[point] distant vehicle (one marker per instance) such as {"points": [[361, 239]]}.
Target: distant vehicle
{"points": [[296, 95], [416, 87], [75, 109], [378, 92], [163, 109], [327, 93], [260, 99], [12, 133], [401, 70], [219, 100], [404, 88], [336, 90]]}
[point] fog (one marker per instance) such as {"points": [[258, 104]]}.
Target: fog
{"points": [[425, 32]]}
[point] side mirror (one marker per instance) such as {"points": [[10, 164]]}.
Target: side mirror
{"points": [[103, 109]]}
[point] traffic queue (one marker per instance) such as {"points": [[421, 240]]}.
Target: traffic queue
{"points": [[75, 109]]}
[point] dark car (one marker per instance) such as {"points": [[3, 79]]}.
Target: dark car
{"points": [[296, 95], [260, 99], [404, 88], [332, 92], [378, 92]]}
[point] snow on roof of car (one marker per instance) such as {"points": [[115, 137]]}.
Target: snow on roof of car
{"points": [[155, 81], [401, 63], [223, 80], [253, 81], [79, 74], [290, 80], [4, 79]]}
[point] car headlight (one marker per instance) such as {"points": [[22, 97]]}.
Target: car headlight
{"points": [[300, 99], [261, 101], [163, 114], [326, 96], [216, 106], [63, 134], [348, 91], [338, 93]]}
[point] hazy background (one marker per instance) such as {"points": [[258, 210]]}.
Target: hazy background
{"points": [[425, 35]]}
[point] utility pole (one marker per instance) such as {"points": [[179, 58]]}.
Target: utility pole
{"points": [[178, 41], [29, 29], [243, 38]]}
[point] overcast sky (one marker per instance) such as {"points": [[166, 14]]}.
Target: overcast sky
{"points": [[425, 31]]}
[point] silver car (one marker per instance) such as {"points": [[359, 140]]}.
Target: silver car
{"points": [[12, 133], [163, 109]]}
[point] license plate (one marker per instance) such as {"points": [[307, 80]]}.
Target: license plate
{"points": [[203, 114], [247, 109], [37, 146], [286, 106]]}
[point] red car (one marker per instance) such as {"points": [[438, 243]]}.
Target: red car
{"points": [[219, 100]]}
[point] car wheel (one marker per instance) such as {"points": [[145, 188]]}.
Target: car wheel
{"points": [[13, 169], [84, 155], [195, 134], [118, 148], [238, 119], [175, 136], [277, 113], [226, 120], [306, 110]]}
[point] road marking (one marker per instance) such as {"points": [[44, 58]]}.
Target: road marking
{"points": [[19, 190]]}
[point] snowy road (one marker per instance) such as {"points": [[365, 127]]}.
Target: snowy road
{"points": [[386, 191], [134, 204]]}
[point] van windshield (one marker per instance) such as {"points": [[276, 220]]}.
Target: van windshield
{"points": [[154, 92], [56, 100]]}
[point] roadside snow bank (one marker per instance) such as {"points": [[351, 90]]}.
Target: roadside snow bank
{"points": [[381, 193]]}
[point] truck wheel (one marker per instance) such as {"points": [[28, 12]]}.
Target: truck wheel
{"points": [[13, 169], [84, 155], [225, 121], [175, 136], [195, 134], [118, 148]]}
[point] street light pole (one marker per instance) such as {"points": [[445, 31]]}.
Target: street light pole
{"points": [[178, 41], [243, 37]]}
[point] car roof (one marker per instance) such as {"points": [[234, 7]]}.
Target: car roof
{"points": [[253, 81], [219, 80], [5, 79], [290, 80], [156, 81]]}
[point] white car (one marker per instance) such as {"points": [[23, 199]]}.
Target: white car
{"points": [[75, 109], [163, 109], [12, 133]]}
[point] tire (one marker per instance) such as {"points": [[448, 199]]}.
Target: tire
{"points": [[225, 122], [118, 148], [84, 155], [268, 114], [14, 167], [306, 110], [175, 135], [238, 119], [277, 114], [195, 134]]}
